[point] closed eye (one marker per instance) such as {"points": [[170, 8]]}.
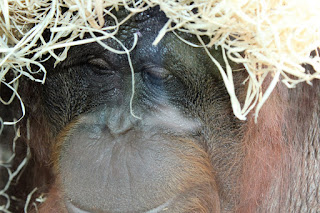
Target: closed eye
{"points": [[155, 74], [99, 62], [100, 66]]}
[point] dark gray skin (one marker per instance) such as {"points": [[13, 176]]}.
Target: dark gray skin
{"points": [[187, 152]]}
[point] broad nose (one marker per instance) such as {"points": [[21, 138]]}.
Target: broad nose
{"points": [[119, 121]]}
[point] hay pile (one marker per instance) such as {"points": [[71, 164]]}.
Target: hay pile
{"points": [[268, 36]]}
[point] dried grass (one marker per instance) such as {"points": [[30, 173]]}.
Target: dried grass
{"points": [[268, 36]]}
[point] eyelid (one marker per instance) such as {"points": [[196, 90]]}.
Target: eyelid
{"points": [[156, 71], [100, 67], [99, 62]]}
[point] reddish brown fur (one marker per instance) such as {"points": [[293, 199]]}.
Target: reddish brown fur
{"points": [[38, 128], [203, 196], [57, 144], [265, 150], [53, 202], [278, 170]]}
